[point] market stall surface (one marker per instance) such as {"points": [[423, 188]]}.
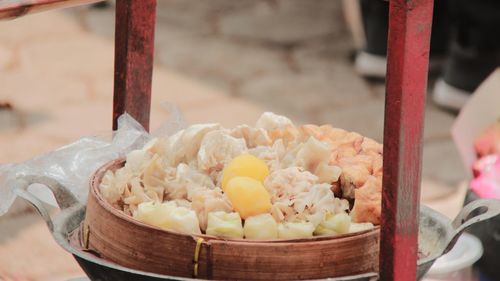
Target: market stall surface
{"points": [[56, 74]]}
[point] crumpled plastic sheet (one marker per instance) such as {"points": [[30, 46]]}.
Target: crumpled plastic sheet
{"points": [[73, 165]]}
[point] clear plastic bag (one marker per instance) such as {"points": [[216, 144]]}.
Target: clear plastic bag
{"points": [[73, 164]]}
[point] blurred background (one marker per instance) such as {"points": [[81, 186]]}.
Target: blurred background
{"points": [[218, 61]]}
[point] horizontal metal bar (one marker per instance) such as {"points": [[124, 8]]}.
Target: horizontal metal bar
{"points": [[11, 9]]}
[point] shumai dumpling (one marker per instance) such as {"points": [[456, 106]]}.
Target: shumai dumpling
{"points": [[253, 136], [278, 127], [184, 145], [271, 121], [288, 182], [217, 149], [314, 156], [205, 202], [114, 184], [317, 202], [137, 160], [271, 155]]}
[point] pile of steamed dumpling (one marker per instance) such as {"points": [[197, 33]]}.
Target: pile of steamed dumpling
{"points": [[272, 181]]}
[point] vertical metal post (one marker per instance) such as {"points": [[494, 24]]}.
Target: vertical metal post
{"points": [[408, 57], [134, 47]]}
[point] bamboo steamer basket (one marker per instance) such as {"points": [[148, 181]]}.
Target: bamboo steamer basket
{"points": [[117, 237]]}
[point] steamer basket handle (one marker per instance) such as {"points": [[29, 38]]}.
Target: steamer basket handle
{"points": [[474, 212], [65, 199]]}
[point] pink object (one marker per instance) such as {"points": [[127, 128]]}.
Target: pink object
{"points": [[484, 164], [487, 184], [488, 142]]}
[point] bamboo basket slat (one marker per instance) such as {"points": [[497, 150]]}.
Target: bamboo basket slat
{"points": [[117, 237]]}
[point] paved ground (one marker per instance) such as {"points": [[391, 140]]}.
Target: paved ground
{"points": [[223, 61]]}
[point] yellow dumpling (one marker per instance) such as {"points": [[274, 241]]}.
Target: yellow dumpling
{"points": [[261, 227], [248, 196], [245, 165], [224, 224], [334, 224]]}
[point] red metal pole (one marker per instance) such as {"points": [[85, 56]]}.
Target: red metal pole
{"points": [[134, 47], [408, 57]]}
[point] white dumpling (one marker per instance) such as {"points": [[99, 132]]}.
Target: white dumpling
{"points": [[260, 227], [184, 145], [193, 178], [183, 220], [156, 146], [136, 193], [289, 182], [271, 121], [317, 202], [272, 155], [224, 224], [187, 181], [253, 136], [358, 227], [153, 213], [163, 147], [168, 216], [327, 173], [110, 188], [136, 160], [314, 156], [311, 153], [207, 201], [282, 209], [334, 224], [217, 149], [295, 230], [154, 172]]}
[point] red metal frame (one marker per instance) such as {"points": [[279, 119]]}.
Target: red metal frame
{"points": [[134, 48], [408, 53], [408, 57]]}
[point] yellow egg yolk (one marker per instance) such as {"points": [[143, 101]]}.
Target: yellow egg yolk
{"points": [[245, 165], [248, 196]]}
